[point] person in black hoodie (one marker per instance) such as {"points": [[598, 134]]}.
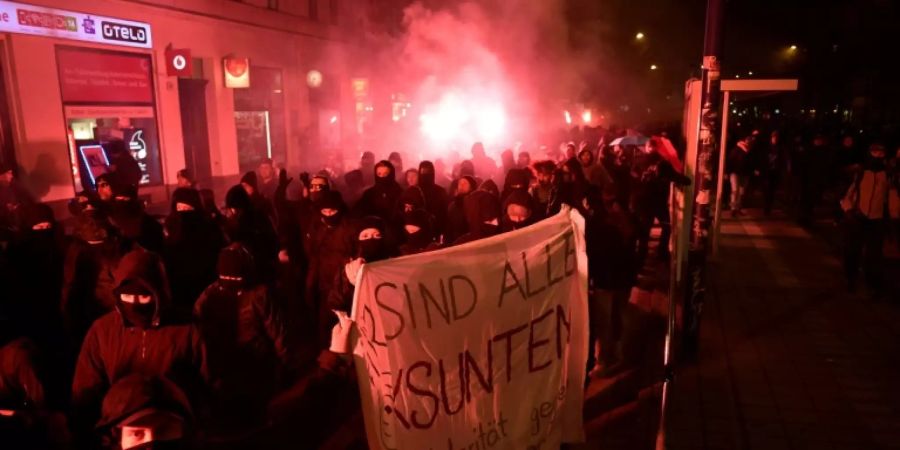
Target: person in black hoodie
{"points": [[371, 246], [518, 211], [612, 271], [436, 200], [192, 246], [482, 215], [141, 336], [246, 342], [457, 225], [328, 244], [418, 227], [380, 199], [39, 255], [246, 224], [516, 179], [652, 177], [135, 226]]}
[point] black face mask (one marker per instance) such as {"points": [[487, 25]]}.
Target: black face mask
{"points": [[332, 221], [315, 196], [372, 250], [231, 285], [875, 164], [426, 179], [137, 314], [383, 181], [419, 239]]}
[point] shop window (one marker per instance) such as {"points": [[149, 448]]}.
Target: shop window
{"points": [[260, 119], [108, 97]]}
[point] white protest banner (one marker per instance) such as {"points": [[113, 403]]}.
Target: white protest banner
{"points": [[476, 347]]}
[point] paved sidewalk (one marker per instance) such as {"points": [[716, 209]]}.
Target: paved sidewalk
{"points": [[788, 359]]}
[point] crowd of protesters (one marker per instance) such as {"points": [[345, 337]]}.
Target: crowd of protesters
{"points": [[857, 185], [216, 327]]}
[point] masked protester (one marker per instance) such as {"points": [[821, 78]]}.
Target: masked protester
{"points": [[542, 191], [485, 167], [569, 187], [12, 196], [23, 394], [482, 215], [867, 207], [246, 224], [652, 177], [192, 246], [328, 244], [88, 280], [507, 161], [244, 333], [418, 226], [516, 179], [140, 336], [397, 161], [436, 200], [610, 234], [594, 172], [367, 168], [135, 226], [38, 253], [371, 246], [457, 225], [146, 412], [518, 211], [380, 199], [524, 160]]}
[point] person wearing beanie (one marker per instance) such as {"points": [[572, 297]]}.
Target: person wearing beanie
{"points": [[516, 179], [243, 330], [185, 179], [418, 226], [191, 247], [139, 336], [482, 215], [250, 184], [380, 199], [328, 243]]}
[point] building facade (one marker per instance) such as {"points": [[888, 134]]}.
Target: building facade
{"points": [[152, 73]]}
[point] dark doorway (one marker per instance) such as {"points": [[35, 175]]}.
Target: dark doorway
{"points": [[192, 100]]}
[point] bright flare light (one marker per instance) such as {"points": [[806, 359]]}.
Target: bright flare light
{"points": [[586, 116], [568, 118], [455, 118], [639, 36]]}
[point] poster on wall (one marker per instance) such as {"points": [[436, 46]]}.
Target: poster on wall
{"points": [[254, 138], [237, 72]]}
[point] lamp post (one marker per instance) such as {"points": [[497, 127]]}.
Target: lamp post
{"points": [[704, 177]]}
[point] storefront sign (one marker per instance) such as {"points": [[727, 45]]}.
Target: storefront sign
{"points": [[90, 112], [237, 72], [41, 21], [97, 76], [480, 346], [178, 62]]}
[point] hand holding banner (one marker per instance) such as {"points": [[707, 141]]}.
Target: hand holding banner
{"points": [[477, 346]]}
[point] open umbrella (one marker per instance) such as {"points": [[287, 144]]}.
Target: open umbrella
{"points": [[630, 140]]}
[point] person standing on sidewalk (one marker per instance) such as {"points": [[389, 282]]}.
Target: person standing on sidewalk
{"points": [[772, 167], [867, 212], [740, 167]]}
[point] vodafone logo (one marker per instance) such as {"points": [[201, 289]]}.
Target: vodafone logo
{"points": [[179, 62]]}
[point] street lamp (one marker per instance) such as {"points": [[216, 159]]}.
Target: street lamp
{"points": [[750, 73], [793, 48], [653, 67], [639, 36]]}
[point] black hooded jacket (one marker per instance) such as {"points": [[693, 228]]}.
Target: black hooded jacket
{"points": [[380, 199], [252, 228], [480, 207], [114, 348], [436, 199], [192, 247]]}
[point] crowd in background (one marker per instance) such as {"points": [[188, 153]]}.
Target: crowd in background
{"points": [[215, 325]]}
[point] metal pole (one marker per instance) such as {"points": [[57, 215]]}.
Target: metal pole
{"points": [[720, 180], [704, 179]]}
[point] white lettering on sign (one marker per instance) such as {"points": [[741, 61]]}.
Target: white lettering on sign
{"points": [[41, 21]]}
